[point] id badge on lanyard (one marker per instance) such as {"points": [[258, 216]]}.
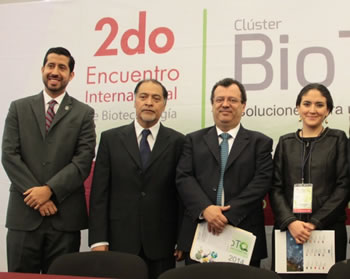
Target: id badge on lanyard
{"points": [[302, 198]]}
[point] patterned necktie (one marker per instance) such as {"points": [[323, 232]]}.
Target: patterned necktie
{"points": [[145, 150], [223, 157], [50, 114]]}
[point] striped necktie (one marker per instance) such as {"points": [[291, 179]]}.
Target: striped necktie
{"points": [[223, 158], [50, 114]]}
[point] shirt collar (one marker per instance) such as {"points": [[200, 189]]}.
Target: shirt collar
{"points": [[154, 129], [233, 132], [48, 98]]}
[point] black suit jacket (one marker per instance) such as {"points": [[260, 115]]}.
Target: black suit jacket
{"points": [[247, 179], [61, 159], [131, 207]]}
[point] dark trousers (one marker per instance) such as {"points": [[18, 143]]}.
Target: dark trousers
{"points": [[34, 251], [189, 261], [157, 267]]}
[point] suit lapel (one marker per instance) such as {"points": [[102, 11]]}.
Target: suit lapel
{"points": [[63, 110], [241, 141], [160, 145], [131, 145], [211, 138], [38, 108]]}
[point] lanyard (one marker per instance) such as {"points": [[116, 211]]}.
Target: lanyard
{"points": [[304, 158]]}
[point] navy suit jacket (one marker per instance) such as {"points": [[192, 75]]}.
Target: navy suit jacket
{"points": [[247, 179]]}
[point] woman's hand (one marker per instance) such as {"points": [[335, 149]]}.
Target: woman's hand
{"points": [[300, 231]]}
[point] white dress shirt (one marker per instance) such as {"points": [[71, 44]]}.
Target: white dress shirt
{"points": [[48, 98]]}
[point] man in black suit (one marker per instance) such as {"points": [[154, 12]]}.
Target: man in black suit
{"points": [[48, 146], [133, 204], [246, 177]]}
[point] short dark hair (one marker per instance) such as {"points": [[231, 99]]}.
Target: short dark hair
{"points": [[323, 90], [164, 90], [226, 82], [61, 51]]}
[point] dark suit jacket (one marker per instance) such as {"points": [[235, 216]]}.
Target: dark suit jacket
{"points": [[131, 207], [61, 159], [247, 179]]}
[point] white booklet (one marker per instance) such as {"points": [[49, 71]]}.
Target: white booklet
{"points": [[232, 245], [317, 255]]}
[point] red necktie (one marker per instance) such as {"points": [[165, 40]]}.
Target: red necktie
{"points": [[50, 114]]}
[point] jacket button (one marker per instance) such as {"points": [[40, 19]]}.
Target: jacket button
{"points": [[143, 194], [214, 189]]}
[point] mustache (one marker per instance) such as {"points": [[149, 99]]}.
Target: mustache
{"points": [[53, 76]]}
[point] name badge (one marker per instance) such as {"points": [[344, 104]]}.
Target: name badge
{"points": [[302, 198]]}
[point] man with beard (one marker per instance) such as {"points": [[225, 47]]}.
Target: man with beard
{"points": [[48, 146]]}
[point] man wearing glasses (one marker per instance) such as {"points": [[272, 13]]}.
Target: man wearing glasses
{"points": [[224, 172]]}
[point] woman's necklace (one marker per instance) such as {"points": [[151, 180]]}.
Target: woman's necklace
{"points": [[308, 143], [302, 133]]}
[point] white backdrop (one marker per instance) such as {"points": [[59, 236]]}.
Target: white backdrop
{"points": [[274, 47]]}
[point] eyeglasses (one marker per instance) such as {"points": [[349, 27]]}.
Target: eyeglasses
{"points": [[231, 100]]}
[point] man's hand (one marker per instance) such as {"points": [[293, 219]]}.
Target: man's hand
{"points": [[178, 254], [37, 196], [216, 220], [100, 248], [300, 230], [48, 208]]}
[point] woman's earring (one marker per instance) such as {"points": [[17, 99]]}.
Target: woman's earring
{"points": [[325, 120], [300, 119]]}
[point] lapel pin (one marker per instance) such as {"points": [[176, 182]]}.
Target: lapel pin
{"points": [[66, 107]]}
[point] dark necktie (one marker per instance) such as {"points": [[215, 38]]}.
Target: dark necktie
{"points": [[50, 114], [223, 157], [145, 150]]}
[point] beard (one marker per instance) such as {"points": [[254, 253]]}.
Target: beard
{"points": [[55, 90]]}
